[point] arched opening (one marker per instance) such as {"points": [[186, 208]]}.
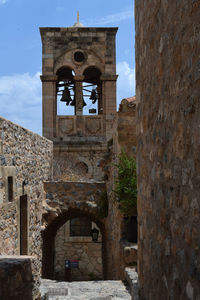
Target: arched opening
{"points": [[74, 246], [81, 169], [65, 91], [58, 230], [92, 91]]}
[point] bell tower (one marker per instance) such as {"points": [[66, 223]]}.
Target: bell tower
{"points": [[78, 92]]}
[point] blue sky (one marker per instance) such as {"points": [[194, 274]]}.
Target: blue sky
{"points": [[21, 53]]}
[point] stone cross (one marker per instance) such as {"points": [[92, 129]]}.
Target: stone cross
{"points": [[78, 17]]}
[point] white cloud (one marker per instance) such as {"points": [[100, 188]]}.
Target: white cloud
{"points": [[3, 1], [125, 82], [21, 100], [114, 18]]}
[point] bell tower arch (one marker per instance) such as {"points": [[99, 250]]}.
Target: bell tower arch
{"points": [[78, 90]]}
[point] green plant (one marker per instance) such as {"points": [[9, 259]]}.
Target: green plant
{"points": [[102, 205], [126, 185]]}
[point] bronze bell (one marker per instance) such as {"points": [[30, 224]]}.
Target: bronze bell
{"points": [[73, 102], [93, 96], [84, 103], [66, 97]]}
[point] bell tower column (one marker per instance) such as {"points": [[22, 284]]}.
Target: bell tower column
{"points": [[49, 105], [109, 102], [78, 94]]}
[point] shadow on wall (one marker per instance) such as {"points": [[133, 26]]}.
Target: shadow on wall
{"points": [[16, 279]]}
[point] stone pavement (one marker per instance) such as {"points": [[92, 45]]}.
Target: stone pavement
{"points": [[84, 290]]}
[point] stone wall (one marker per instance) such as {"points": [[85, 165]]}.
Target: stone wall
{"points": [[126, 125], [83, 249], [27, 158], [19, 278], [168, 89], [79, 162], [121, 252]]}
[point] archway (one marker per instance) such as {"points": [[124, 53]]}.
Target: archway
{"points": [[65, 91], [49, 234], [93, 85]]}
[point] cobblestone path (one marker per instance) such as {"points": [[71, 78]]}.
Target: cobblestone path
{"points": [[84, 290]]}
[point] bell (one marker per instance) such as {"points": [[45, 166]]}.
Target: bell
{"points": [[66, 97], [93, 96], [84, 103], [73, 103]]}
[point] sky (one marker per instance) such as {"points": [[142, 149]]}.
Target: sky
{"points": [[21, 49]]}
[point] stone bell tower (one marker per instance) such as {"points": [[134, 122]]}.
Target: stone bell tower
{"points": [[79, 95]]}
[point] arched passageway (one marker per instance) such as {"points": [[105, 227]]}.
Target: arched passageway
{"points": [[55, 228]]}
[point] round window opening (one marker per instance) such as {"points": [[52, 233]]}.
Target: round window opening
{"points": [[79, 56]]}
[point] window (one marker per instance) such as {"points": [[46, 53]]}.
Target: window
{"points": [[10, 188], [80, 227], [79, 56]]}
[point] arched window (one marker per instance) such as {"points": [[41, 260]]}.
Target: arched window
{"points": [[92, 91], [65, 91]]}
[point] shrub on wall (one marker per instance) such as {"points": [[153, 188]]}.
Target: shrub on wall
{"points": [[126, 185]]}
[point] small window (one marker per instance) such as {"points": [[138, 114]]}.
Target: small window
{"points": [[80, 227], [10, 188], [79, 56]]}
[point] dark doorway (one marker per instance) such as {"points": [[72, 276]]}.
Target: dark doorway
{"points": [[23, 226]]}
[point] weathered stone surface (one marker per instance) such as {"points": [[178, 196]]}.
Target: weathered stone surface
{"points": [[92, 290], [19, 278], [83, 249], [27, 158], [63, 196], [132, 279], [126, 125], [168, 89]]}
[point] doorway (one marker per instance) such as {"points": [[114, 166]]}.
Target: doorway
{"points": [[23, 225]]}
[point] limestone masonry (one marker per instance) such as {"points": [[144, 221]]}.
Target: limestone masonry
{"points": [[168, 147]]}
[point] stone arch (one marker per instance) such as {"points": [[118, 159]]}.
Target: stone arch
{"points": [[95, 67], [88, 164], [66, 69], [66, 58], [48, 237], [64, 87]]}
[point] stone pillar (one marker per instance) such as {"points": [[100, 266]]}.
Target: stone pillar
{"points": [[109, 101], [49, 106], [100, 102], [78, 95]]}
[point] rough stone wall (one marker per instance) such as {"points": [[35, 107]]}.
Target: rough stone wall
{"points": [[121, 254], [63, 196], [168, 147], [115, 218], [83, 249], [19, 278], [25, 156], [79, 163], [126, 126]]}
